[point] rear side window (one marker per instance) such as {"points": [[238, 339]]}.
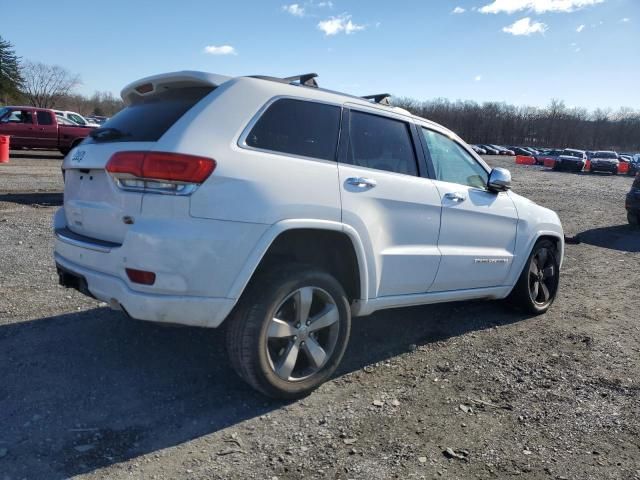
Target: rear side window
{"points": [[381, 143], [148, 118], [44, 118], [297, 127]]}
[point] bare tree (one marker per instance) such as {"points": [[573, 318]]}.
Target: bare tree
{"points": [[43, 85]]}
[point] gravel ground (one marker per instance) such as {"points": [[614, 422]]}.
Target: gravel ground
{"points": [[465, 390]]}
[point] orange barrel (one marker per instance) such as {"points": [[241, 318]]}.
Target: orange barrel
{"points": [[4, 148], [587, 166]]}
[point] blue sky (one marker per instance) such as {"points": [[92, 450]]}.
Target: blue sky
{"points": [[585, 52]]}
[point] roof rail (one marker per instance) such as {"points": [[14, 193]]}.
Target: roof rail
{"points": [[306, 79], [381, 98]]}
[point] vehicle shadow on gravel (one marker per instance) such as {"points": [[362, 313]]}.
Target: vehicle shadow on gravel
{"points": [[30, 155], [85, 390], [624, 238], [48, 199]]}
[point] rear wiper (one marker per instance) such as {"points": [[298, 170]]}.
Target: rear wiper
{"points": [[107, 134]]}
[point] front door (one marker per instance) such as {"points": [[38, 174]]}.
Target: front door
{"points": [[478, 227], [19, 124]]}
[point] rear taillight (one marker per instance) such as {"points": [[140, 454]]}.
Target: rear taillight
{"points": [[159, 171]]}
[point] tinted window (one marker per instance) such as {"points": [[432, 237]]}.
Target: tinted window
{"points": [[452, 163], [297, 127], [44, 118], [148, 118], [381, 143], [611, 155], [573, 153]]}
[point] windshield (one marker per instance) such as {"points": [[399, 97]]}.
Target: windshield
{"points": [[4, 111], [611, 155], [573, 153]]}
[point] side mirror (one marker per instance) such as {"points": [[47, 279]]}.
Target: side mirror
{"points": [[499, 180]]}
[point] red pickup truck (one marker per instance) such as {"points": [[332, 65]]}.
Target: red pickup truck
{"points": [[31, 127]]}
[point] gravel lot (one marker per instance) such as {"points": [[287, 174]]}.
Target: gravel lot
{"points": [[86, 392]]}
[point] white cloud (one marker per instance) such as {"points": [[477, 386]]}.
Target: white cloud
{"points": [[477, 78], [538, 6], [221, 50], [580, 28], [328, 4], [294, 9], [525, 27], [625, 20], [342, 23], [458, 10]]}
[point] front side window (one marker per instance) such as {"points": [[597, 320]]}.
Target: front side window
{"points": [[18, 116], [298, 127], [381, 143], [452, 163]]}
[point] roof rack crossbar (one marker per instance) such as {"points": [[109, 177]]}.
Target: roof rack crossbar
{"points": [[381, 98], [307, 79]]}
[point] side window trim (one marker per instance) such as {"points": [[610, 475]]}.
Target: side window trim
{"points": [[347, 125], [242, 139]]}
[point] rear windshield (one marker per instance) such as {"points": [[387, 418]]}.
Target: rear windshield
{"points": [[147, 119], [605, 155]]}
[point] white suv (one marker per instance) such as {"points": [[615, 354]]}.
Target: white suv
{"points": [[287, 209]]}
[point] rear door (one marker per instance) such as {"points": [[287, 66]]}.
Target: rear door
{"points": [[395, 211], [478, 227], [94, 204], [46, 129]]}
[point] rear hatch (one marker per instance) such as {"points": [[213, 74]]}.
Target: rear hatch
{"points": [[94, 204]]}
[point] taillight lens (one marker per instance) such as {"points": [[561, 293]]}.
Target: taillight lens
{"points": [[159, 171]]}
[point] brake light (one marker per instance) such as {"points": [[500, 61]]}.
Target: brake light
{"points": [[159, 171], [141, 276]]}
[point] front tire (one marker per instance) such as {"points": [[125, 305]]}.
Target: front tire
{"points": [[289, 331], [537, 286], [634, 219]]}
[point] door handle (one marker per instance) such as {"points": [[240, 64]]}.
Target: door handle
{"points": [[455, 197], [361, 182]]}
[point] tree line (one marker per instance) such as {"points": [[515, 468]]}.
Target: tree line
{"points": [[554, 126]]}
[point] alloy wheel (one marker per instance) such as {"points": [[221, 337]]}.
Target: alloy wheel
{"points": [[543, 277], [302, 335]]}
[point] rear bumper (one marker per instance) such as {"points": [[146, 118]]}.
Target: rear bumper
{"points": [[181, 309], [196, 263]]}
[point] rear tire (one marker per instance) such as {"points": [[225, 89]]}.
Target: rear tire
{"points": [[271, 339], [537, 287]]}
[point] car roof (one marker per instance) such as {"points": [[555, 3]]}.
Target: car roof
{"points": [[277, 86]]}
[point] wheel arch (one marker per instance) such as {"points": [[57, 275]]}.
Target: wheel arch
{"points": [[296, 240], [553, 235]]}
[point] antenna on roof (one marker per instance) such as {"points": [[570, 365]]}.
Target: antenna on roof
{"points": [[307, 79], [381, 98]]}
